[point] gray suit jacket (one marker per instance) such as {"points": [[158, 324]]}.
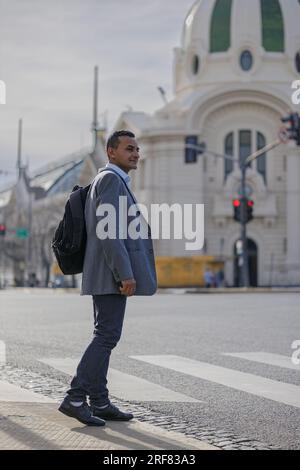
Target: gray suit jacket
{"points": [[109, 261]]}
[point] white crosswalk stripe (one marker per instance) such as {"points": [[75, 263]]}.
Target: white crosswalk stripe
{"points": [[281, 392], [267, 358], [14, 393], [125, 386]]}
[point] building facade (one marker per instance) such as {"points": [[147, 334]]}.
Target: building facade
{"points": [[31, 209], [232, 80]]}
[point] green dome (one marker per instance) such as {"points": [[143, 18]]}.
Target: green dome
{"points": [[271, 23]]}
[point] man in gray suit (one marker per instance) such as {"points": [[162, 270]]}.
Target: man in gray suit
{"points": [[115, 267]]}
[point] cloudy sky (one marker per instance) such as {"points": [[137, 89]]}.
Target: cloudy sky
{"points": [[48, 49]]}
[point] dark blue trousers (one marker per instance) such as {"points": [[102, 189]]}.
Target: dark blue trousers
{"points": [[90, 379]]}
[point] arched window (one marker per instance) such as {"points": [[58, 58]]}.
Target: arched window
{"points": [[228, 148], [244, 145], [245, 142], [272, 26], [220, 26], [261, 160]]}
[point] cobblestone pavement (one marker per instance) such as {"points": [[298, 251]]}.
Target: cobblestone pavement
{"points": [[55, 389]]}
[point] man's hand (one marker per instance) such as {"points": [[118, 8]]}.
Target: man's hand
{"points": [[128, 287]]}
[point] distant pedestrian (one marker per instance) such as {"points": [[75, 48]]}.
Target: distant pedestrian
{"points": [[208, 278], [220, 278]]}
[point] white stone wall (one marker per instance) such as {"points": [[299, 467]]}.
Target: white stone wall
{"points": [[219, 99]]}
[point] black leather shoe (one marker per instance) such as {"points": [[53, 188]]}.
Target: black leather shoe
{"points": [[111, 413], [82, 413]]}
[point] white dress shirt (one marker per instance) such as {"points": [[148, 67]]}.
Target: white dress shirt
{"points": [[121, 172]]}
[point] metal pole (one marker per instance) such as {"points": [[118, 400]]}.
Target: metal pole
{"points": [[271, 269], [245, 265], [249, 159], [19, 160], [95, 124], [2, 263], [29, 240], [263, 150], [214, 154]]}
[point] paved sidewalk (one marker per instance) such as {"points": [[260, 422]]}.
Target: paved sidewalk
{"points": [[31, 421]]}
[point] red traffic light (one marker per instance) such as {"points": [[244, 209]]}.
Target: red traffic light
{"points": [[2, 229], [250, 203], [236, 203]]}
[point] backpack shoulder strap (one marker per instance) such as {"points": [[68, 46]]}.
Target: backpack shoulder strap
{"points": [[133, 198], [77, 199], [116, 173]]}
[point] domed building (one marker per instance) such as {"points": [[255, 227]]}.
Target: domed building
{"points": [[232, 78]]}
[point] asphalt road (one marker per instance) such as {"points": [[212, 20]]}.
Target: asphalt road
{"points": [[233, 393]]}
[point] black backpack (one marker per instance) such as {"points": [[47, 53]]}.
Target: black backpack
{"points": [[69, 240]]}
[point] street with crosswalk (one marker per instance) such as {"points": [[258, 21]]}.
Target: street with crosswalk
{"points": [[218, 361]]}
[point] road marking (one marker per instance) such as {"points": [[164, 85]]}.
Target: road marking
{"points": [[13, 393], [2, 353], [281, 392], [125, 386], [267, 358]]}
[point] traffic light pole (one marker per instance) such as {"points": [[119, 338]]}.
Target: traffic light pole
{"points": [[244, 257], [243, 166], [2, 281]]}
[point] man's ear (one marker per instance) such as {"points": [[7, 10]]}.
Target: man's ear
{"points": [[110, 153]]}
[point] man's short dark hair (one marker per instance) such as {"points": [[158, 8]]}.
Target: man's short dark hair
{"points": [[113, 141]]}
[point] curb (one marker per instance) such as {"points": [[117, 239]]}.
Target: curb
{"points": [[40, 426]]}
